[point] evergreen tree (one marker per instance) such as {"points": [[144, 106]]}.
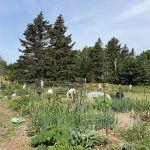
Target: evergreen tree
{"points": [[97, 60], [144, 60], [113, 54], [132, 53], [131, 72], [124, 51], [10, 73], [2, 66], [31, 62], [86, 70], [63, 56]]}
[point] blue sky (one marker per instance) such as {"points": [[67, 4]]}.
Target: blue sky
{"points": [[128, 20]]}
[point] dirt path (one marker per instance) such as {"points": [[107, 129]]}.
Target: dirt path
{"points": [[12, 137]]}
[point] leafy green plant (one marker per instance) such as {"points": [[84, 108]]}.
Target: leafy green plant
{"points": [[122, 105], [86, 138], [139, 134], [102, 103], [128, 147], [50, 136], [142, 108], [20, 105]]}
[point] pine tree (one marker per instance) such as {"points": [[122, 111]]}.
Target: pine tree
{"points": [[31, 62]]}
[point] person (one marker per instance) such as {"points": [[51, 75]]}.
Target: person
{"points": [[100, 86], [71, 93]]}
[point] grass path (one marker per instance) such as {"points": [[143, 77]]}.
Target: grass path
{"points": [[12, 137]]}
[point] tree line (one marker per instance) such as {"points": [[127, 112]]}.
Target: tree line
{"points": [[47, 53]]}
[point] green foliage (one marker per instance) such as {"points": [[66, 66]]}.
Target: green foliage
{"points": [[50, 136], [53, 110], [142, 107], [128, 147], [131, 71], [96, 61], [21, 105], [31, 63], [86, 138], [62, 113], [41, 147], [10, 73], [47, 51], [64, 146], [61, 138], [113, 54], [103, 103], [122, 105], [21, 92], [2, 66], [139, 134]]}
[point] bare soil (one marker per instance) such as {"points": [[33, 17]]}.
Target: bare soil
{"points": [[12, 137]]}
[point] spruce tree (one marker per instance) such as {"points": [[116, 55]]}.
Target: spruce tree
{"points": [[85, 66], [97, 60], [31, 62], [124, 51], [131, 72], [113, 54], [63, 56]]}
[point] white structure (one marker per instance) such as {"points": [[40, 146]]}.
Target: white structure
{"points": [[106, 86], [130, 86], [100, 86], [13, 95], [50, 91], [91, 95], [42, 83], [24, 86], [71, 93]]}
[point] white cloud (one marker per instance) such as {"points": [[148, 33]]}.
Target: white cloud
{"points": [[136, 10], [79, 18]]}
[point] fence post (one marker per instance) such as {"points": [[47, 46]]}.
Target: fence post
{"points": [[105, 108]]}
